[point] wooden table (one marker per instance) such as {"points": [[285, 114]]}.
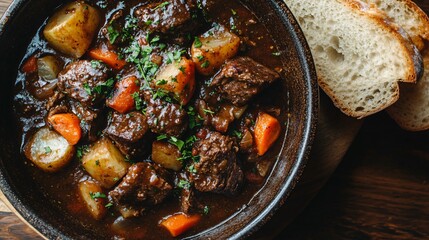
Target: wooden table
{"points": [[379, 191]]}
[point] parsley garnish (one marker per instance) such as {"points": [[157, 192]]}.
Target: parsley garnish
{"points": [[109, 205], [237, 133], [233, 12], [184, 184], [113, 34], [81, 151], [276, 54], [48, 150], [177, 142], [87, 88], [97, 195], [137, 100], [161, 82], [197, 42], [95, 63], [208, 111], [200, 58], [206, 210], [161, 5], [205, 64], [161, 137]]}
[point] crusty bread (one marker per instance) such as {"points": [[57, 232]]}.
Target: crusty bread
{"points": [[359, 55], [409, 16], [411, 111]]}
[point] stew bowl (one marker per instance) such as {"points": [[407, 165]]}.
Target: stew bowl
{"points": [[300, 93]]}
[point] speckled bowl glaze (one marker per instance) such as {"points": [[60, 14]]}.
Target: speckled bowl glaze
{"points": [[20, 23]]}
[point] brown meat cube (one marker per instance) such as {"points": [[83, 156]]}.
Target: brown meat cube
{"points": [[241, 78], [217, 170], [145, 185]]}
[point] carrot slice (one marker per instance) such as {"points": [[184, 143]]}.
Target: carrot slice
{"points": [[122, 100], [68, 125], [267, 130], [108, 57], [30, 65], [179, 223]]}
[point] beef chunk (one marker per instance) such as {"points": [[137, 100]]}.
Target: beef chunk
{"points": [[217, 170], [145, 185], [79, 80], [172, 16], [242, 78], [128, 132], [164, 117], [90, 119]]}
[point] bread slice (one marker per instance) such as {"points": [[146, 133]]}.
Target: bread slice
{"points": [[411, 111], [359, 55], [407, 14]]}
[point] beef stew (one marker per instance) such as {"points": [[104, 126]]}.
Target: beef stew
{"points": [[176, 139]]}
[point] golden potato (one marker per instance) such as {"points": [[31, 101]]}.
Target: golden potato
{"points": [[105, 163], [166, 155], [213, 48], [71, 29], [94, 198], [177, 78], [48, 150]]}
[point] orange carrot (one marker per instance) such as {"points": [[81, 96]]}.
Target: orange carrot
{"points": [[30, 65], [179, 223], [267, 130], [108, 57], [122, 100], [68, 125]]}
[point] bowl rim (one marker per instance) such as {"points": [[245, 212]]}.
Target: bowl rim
{"points": [[47, 230]]}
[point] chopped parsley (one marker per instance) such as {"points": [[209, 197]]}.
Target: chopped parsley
{"points": [[184, 184], [192, 169], [82, 150], [177, 142], [276, 54], [97, 195], [197, 42], [87, 88], [113, 34], [200, 58], [161, 137], [182, 69], [205, 64], [161, 5], [137, 100], [208, 111], [233, 12], [48, 150], [237, 134], [96, 63], [193, 118], [104, 88], [97, 162], [206, 210], [161, 82], [109, 205]]}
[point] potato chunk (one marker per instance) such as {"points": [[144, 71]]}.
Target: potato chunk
{"points": [[94, 198], [177, 78], [48, 150], [166, 155], [105, 163], [213, 48], [71, 29]]}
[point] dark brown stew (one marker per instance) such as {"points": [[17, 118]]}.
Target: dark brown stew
{"points": [[150, 119]]}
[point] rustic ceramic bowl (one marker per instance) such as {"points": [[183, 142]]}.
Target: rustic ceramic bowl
{"points": [[21, 22]]}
